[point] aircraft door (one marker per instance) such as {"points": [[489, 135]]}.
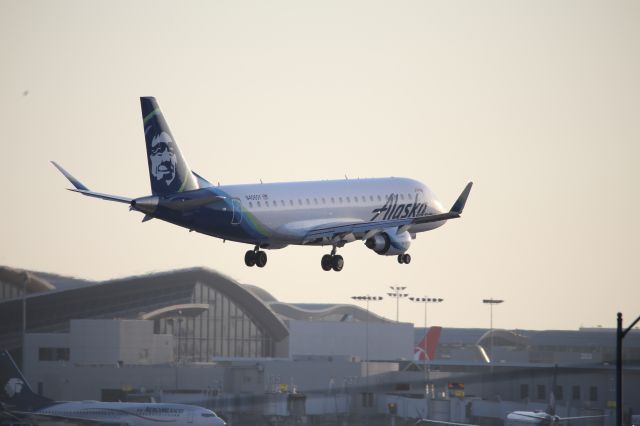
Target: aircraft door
{"points": [[236, 218], [190, 416]]}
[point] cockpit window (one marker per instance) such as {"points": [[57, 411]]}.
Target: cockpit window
{"points": [[208, 415]]}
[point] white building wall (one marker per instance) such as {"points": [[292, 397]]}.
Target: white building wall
{"points": [[111, 341], [386, 341]]}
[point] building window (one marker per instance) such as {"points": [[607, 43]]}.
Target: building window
{"points": [[542, 392], [558, 393], [290, 202], [250, 204], [348, 199], [367, 399], [282, 203], [593, 393], [299, 201], [524, 391], [340, 200], [53, 354], [258, 203], [370, 197], [575, 392]]}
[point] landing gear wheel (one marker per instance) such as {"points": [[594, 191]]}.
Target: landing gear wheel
{"points": [[261, 259], [326, 262], [337, 263], [400, 259], [250, 258], [406, 258]]}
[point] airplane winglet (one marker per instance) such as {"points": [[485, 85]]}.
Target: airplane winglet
{"points": [[75, 182], [458, 206]]}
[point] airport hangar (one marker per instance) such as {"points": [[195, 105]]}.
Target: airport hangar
{"points": [[193, 335]]}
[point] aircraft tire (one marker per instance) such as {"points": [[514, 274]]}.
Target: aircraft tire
{"points": [[261, 259], [406, 258], [400, 259], [337, 263], [326, 262], [250, 258]]}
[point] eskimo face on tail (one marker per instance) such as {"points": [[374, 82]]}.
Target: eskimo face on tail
{"points": [[13, 387], [163, 159]]}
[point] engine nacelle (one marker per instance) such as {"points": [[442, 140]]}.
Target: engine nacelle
{"points": [[389, 243]]}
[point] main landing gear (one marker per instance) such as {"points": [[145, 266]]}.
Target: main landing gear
{"points": [[404, 258], [332, 261], [255, 257]]}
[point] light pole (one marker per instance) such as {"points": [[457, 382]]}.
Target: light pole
{"points": [[368, 299], [24, 319], [491, 302], [426, 300], [396, 293], [620, 333]]}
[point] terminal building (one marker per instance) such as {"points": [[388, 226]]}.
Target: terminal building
{"points": [[197, 336]]}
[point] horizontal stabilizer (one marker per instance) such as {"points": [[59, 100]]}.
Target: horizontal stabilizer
{"points": [[75, 182], [102, 196], [82, 189]]}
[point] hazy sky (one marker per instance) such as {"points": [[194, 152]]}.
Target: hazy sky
{"points": [[537, 102]]}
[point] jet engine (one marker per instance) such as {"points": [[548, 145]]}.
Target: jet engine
{"points": [[389, 243]]}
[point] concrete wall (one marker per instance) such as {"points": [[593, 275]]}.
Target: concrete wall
{"points": [[387, 341], [113, 341]]}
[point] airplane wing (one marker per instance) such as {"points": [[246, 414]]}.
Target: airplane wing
{"points": [[569, 419], [441, 422], [364, 230], [72, 419]]}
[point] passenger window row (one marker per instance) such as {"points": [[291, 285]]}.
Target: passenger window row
{"points": [[323, 201]]}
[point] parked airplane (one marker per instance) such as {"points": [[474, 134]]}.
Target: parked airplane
{"points": [[385, 213], [525, 418], [521, 418], [18, 400]]}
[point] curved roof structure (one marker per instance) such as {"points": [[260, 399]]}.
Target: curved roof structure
{"points": [[155, 294], [16, 278], [502, 338], [186, 310], [303, 311]]}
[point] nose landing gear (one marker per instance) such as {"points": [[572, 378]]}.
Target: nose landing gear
{"points": [[332, 261], [255, 257]]}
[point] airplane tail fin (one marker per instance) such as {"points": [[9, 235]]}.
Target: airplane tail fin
{"points": [[426, 349], [168, 170], [16, 394]]}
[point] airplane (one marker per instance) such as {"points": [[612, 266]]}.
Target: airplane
{"points": [[524, 418], [18, 400], [520, 418], [385, 213]]}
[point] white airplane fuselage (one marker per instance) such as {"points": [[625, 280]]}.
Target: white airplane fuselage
{"points": [[132, 413]]}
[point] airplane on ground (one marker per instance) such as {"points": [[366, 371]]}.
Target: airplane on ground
{"points": [[520, 418], [525, 418], [385, 213], [18, 400]]}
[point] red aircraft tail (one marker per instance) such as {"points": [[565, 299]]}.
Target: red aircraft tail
{"points": [[428, 345]]}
